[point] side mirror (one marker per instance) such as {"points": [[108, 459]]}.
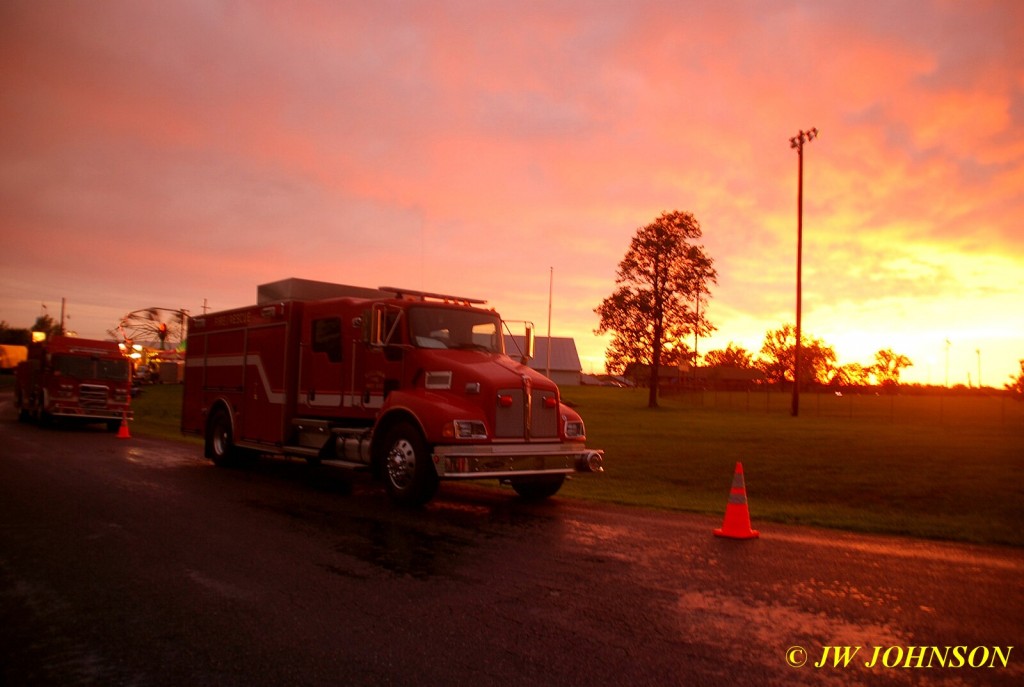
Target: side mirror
{"points": [[373, 326], [530, 343], [380, 331]]}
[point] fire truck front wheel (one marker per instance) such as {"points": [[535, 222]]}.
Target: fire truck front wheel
{"points": [[538, 488], [409, 474]]}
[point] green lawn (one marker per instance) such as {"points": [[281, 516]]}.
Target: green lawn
{"points": [[900, 465], [158, 413], [925, 466]]}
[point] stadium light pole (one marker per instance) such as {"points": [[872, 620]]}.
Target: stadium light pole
{"points": [[948, 344], [978, 351], [797, 142]]}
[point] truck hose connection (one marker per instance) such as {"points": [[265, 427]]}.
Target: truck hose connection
{"points": [[591, 461]]}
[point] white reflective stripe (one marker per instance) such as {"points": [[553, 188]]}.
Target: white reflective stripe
{"points": [[276, 397], [324, 400]]}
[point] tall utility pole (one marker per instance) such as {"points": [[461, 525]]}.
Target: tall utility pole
{"points": [[798, 143]]}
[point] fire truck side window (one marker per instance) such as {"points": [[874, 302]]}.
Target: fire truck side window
{"points": [[326, 337]]}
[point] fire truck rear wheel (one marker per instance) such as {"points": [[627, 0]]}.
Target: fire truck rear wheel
{"points": [[538, 488], [220, 447], [408, 473]]}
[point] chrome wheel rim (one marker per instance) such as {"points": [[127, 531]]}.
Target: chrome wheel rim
{"points": [[220, 439], [401, 464]]}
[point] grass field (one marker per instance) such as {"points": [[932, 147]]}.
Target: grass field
{"points": [[945, 468], [901, 465]]}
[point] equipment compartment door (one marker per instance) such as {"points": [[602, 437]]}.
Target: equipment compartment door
{"points": [[263, 407], [322, 367]]}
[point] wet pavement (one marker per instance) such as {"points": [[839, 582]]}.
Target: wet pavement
{"points": [[135, 562]]}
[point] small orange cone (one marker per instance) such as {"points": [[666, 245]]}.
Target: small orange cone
{"points": [[123, 433], [737, 515]]}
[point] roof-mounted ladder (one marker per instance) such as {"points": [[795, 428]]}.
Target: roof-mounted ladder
{"points": [[425, 295]]}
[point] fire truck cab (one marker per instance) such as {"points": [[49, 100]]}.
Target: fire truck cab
{"points": [[415, 386]]}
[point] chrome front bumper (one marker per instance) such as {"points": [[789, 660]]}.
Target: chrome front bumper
{"points": [[90, 413], [502, 461]]}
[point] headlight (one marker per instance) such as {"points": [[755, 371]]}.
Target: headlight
{"points": [[574, 430], [470, 429]]}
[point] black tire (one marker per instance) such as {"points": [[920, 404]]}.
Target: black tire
{"points": [[220, 444], [408, 472], [538, 488], [24, 415]]}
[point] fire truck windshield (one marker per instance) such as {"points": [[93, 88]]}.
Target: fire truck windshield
{"points": [[459, 329], [81, 367]]}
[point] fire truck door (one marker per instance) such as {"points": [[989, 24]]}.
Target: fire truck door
{"points": [[262, 401], [382, 362], [322, 366]]}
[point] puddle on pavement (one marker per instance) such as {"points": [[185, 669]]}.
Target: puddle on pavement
{"points": [[436, 540], [403, 550], [768, 622]]}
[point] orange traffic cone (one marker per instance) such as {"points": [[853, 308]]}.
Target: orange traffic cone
{"points": [[123, 433], [737, 515]]}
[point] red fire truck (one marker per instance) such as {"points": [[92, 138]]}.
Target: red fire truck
{"points": [[416, 387], [67, 377]]}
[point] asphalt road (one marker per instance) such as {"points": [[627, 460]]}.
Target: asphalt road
{"points": [[135, 562]]}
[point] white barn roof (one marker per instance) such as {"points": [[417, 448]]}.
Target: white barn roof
{"points": [[564, 356]]}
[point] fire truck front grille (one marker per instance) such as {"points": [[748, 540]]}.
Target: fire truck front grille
{"points": [[510, 420], [509, 423], [93, 395], [544, 424]]}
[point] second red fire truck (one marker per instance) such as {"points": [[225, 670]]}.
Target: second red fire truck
{"points": [[416, 387], [78, 379]]}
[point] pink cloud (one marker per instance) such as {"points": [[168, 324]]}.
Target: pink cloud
{"points": [[472, 146]]}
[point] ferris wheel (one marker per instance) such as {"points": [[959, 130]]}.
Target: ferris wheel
{"points": [[160, 326]]}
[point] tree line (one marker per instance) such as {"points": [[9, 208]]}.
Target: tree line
{"points": [[662, 288], [14, 336], [817, 362]]}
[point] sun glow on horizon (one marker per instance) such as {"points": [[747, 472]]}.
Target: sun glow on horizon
{"points": [[469, 148]]}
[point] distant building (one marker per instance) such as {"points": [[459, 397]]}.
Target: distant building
{"points": [[728, 378], [606, 380], [565, 360], [684, 376]]}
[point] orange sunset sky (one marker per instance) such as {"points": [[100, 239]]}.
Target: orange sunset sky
{"points": [[163, 153]]}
